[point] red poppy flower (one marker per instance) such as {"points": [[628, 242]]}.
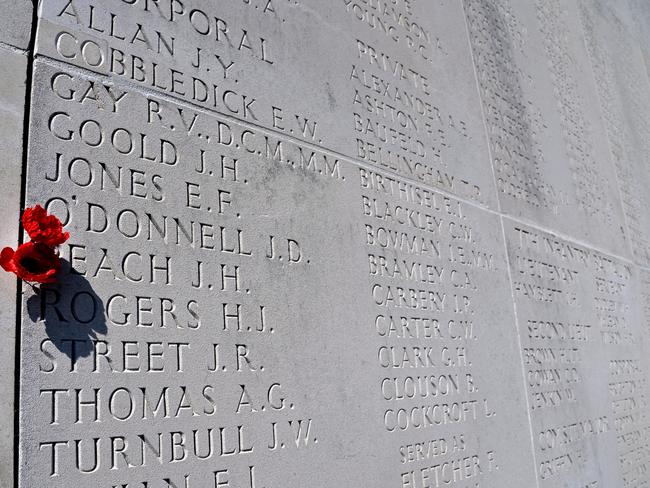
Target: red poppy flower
{"points": [[31, 262], [44, 228]]}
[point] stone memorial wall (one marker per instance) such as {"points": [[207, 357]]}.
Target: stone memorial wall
{"points": [[328, 243]]}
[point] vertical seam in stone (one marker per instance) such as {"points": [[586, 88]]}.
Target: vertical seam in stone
{"points": [[480, 104], [505, 245], [23, 186], [521, 355]]}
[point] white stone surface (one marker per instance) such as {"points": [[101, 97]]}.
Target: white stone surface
{"points": [[16, 22], [12, 105], [412, 234]]}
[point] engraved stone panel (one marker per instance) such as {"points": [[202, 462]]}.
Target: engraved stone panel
{"points": [[624, 94], [374, 84], [410, 60], [350, 243], [639, 438], [580, 337], [546, 137], [627, 340], [230, 319], [446, 385], [186, 343]]}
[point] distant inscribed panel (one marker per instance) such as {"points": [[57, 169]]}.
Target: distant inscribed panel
{"points": [[546, 136], [578, 318], [624, 94]]}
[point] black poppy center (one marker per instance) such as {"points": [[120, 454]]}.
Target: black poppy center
{"points": [[30, 264]]}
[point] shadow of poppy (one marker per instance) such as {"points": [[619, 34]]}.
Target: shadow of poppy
{"points": [[72, 312]]}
